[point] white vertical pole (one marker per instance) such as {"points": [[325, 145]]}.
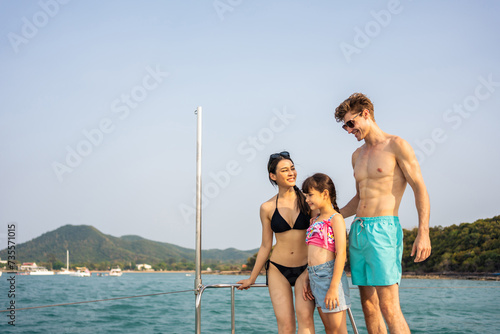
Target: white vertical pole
{"points": [[197, 281], [233, 317]]}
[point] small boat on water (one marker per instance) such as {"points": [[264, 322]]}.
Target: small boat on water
{"points": [[81, 272], [117, 272], [65, 271], [40, 271]]}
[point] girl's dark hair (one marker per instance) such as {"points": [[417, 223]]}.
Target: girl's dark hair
{"points": [[271, 168], [320, 182]]}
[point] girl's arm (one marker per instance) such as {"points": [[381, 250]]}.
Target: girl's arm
{"points": [[264, 250], [339, 231], [306, 289]]}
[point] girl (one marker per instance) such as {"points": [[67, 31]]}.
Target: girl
{"points": [[326, 240], [286, 216]]}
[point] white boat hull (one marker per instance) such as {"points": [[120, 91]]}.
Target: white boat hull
{"points": [[65, 272], [79, 273], [115, 272], [41, 273]]}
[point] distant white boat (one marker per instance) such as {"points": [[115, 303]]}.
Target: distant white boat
{"points": [[40, 271], [81, 272], [117, 272], [66, 271]]}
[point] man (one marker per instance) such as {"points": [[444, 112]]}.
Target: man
{"points": [[383, 166]]}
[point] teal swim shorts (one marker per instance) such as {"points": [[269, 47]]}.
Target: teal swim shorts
{"points": [[375, 250]]}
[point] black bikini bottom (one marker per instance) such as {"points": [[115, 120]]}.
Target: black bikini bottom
{"points": [[290, 273]]}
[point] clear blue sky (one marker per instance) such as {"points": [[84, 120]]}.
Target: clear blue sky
{"points": [[97, 123]]}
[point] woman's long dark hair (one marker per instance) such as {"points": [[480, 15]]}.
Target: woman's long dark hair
{"points": [[301, 199], [320, 182]]}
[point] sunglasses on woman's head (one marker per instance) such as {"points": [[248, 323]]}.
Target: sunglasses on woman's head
{"points": [[283, 154], [350, 123]]}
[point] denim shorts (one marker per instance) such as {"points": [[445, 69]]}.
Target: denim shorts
{"points": [[376, 250], [320, 277]]}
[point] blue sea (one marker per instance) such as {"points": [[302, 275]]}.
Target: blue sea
{"points": [[430, 306]]}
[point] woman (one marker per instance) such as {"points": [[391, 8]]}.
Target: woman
{"points": [[287, 216]]}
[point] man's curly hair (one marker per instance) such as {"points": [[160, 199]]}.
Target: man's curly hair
{"points": [[355, 104]]}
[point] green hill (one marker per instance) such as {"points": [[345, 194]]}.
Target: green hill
{"points": [[468, 247], [86, 244], [465, 248]]}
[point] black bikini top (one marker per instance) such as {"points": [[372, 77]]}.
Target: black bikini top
{"points": [[279, 224]]}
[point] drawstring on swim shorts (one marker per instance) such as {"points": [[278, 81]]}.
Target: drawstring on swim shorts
{"points": [[360, 224]]}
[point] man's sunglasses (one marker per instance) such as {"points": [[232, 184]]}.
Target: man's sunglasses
{"points": [[283, 154], [350, 123]]}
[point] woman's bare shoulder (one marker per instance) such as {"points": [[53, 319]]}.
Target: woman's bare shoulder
{"points": [[268, 205]]}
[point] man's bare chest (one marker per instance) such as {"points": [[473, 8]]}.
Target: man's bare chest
{"points": [[374, 165]]}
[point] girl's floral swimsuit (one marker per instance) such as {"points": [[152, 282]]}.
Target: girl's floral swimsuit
{"points": [[320, 233]]}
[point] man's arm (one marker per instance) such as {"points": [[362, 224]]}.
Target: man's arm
{"points": [[407, 161], [350, 208]]}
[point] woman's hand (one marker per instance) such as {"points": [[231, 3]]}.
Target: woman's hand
{"points": [[245, 284], [332, 298]]}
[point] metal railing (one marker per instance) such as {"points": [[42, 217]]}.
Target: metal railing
{"points": [[232, 286]]}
